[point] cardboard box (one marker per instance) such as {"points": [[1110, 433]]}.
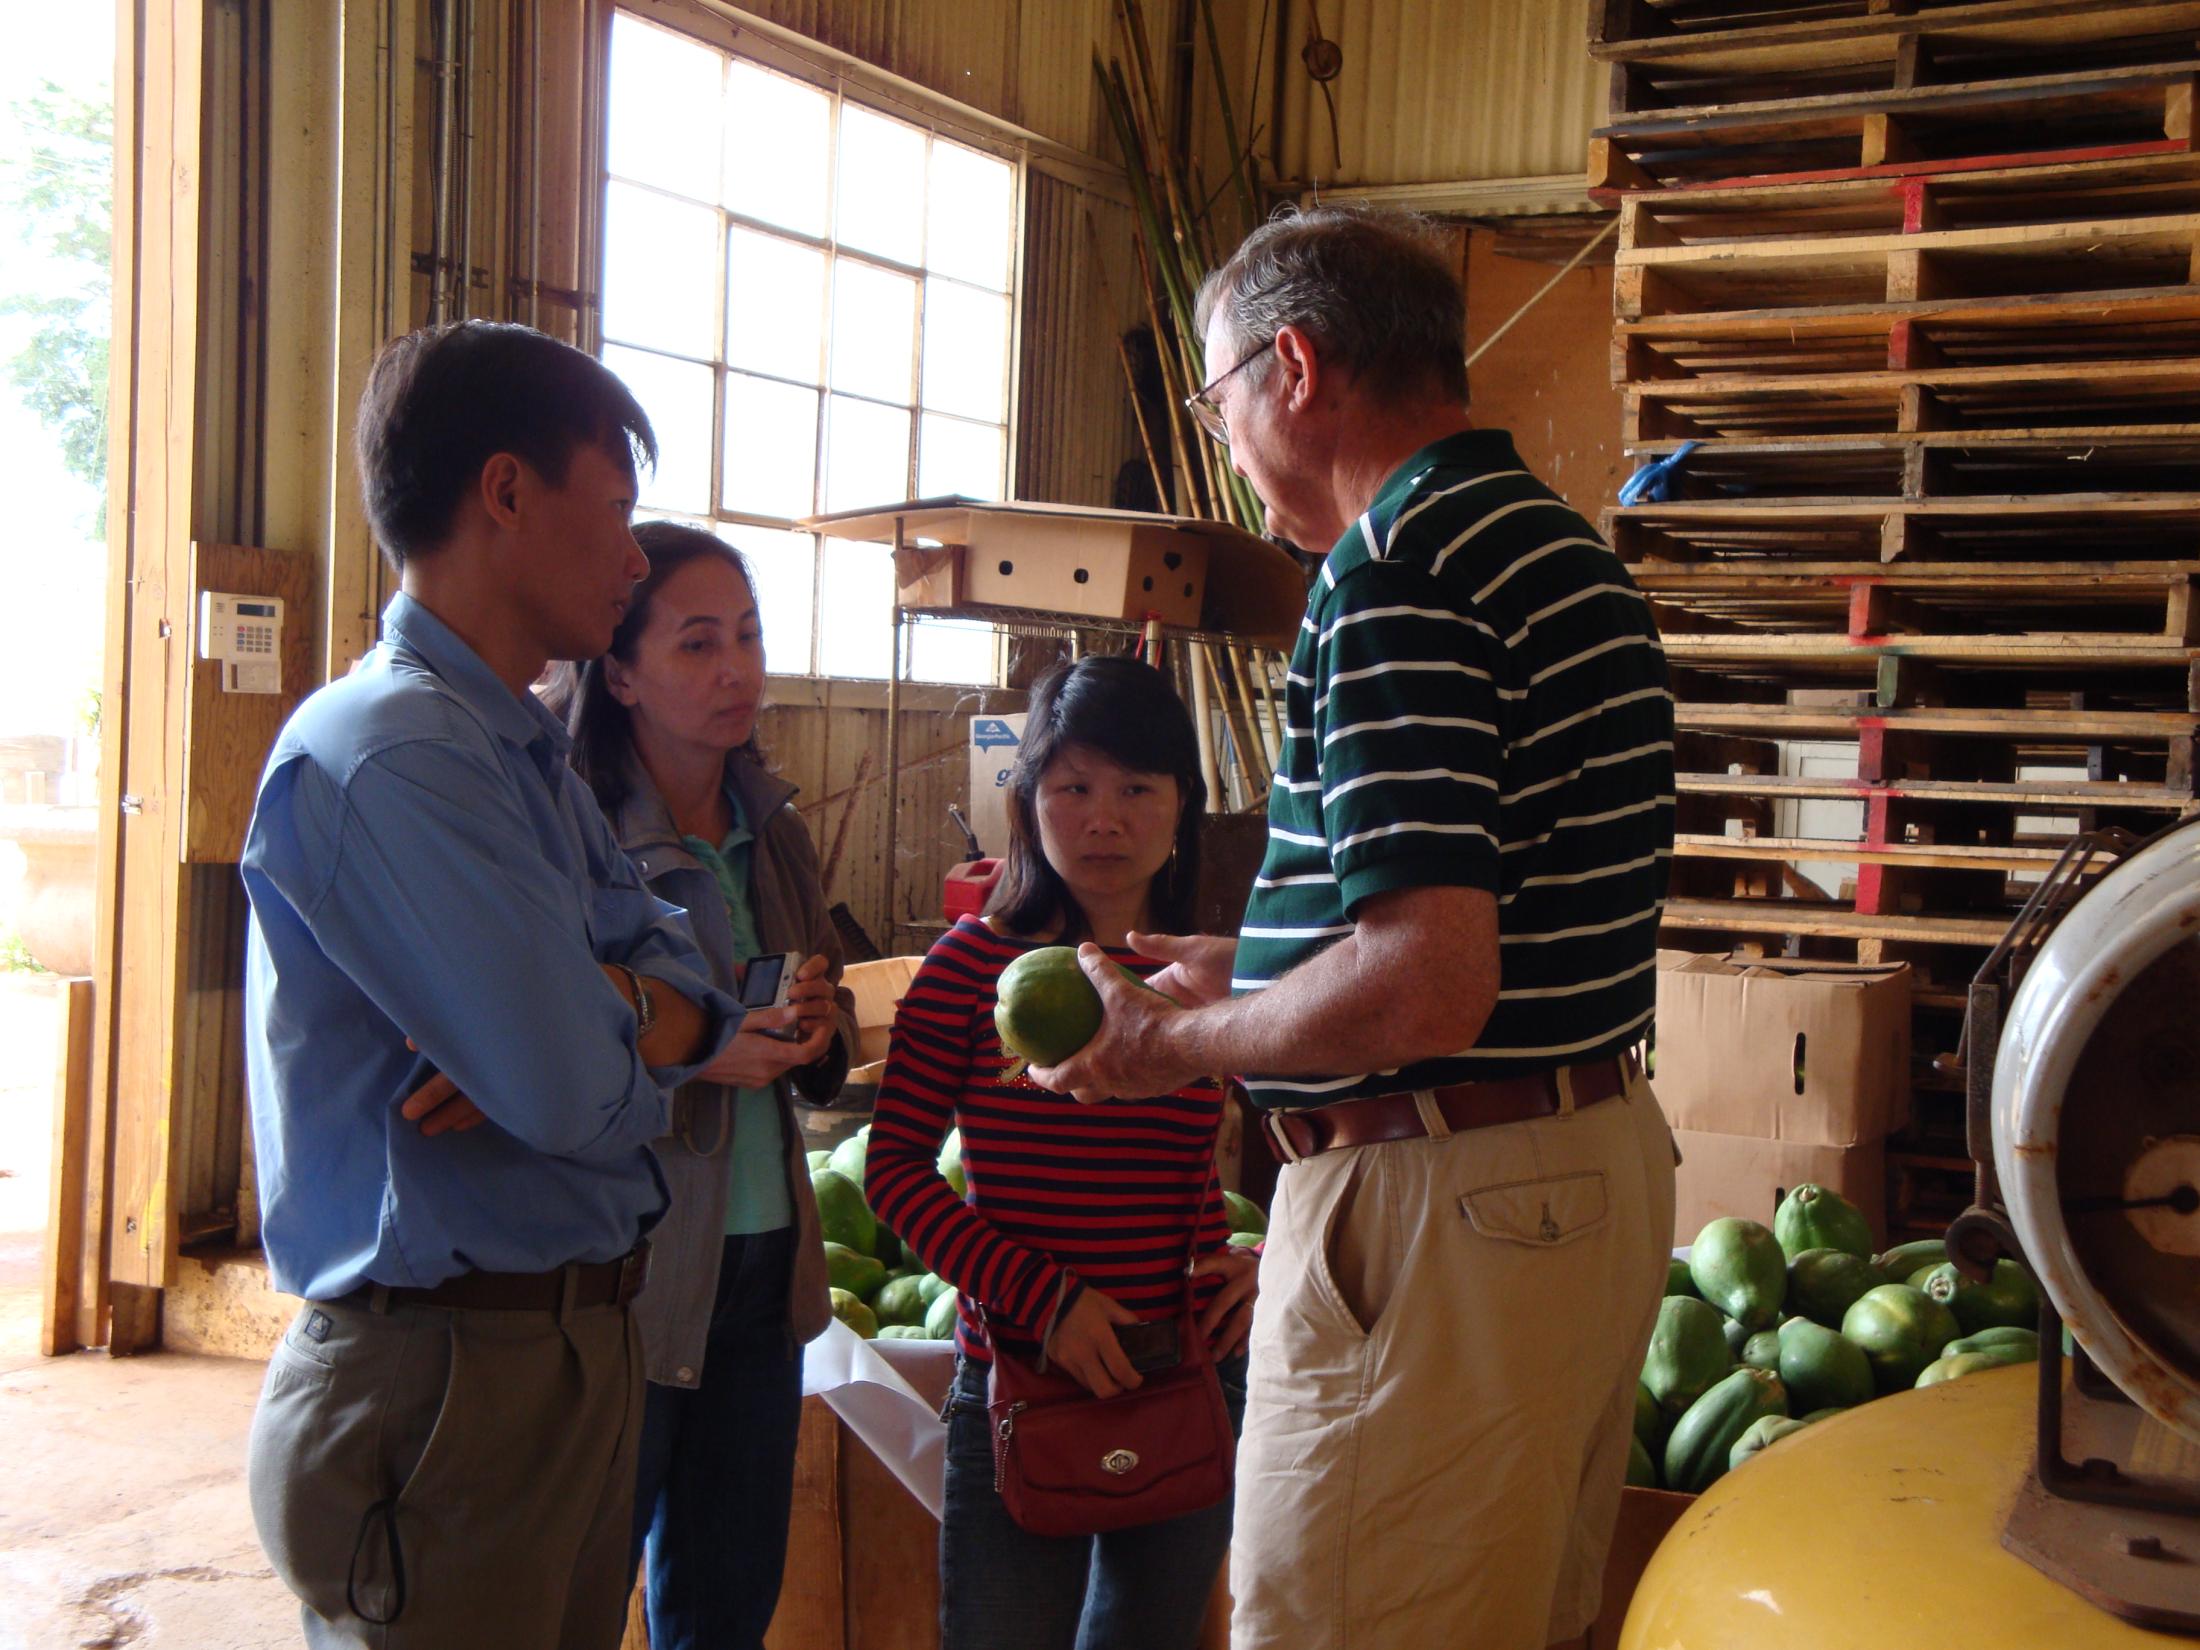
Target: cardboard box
{"points": [[993, 744], [1070, 564], [1736, 1174], [878, 987], [929, 576], [1811, 1053]]}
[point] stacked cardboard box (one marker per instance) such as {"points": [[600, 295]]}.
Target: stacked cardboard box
{"points": [[1774, 1072]]}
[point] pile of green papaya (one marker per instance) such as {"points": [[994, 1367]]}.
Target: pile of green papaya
{"points": [[1763, 1332], [880, 1287]]}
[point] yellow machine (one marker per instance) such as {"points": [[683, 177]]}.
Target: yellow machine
{"points": [[2054, 1506]]}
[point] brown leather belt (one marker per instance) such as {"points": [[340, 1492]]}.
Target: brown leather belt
{"points": [[593, 1283], [1293, 1135]]}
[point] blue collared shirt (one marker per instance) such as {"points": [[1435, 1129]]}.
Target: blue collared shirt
{"points": [[423, 863]]}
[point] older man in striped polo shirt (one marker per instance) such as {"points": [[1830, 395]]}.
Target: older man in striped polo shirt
{"points": [[1444, 969]]}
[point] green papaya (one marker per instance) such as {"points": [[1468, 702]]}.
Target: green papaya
{"points": [[1963, 1363], [1649, 1419], [1687, 1353], [1677, 1279], [850, 1155], [940, 1316], [1904, 1258], [1820, 1369], [1817, 1217], [1245, 1240], [820, 1160], [1824, 1283], [1641, 1471], [1763, 1432], [903, 1332], [900, 1301], [951, 1163], [1242, 1214], [1817, 1415], [1696, 1453], [842, 1215], [1740, 1268], [1762, 1351], [1987, 1340], [852, 1270], [1901, 1331], [887, 1247], [2007, 1300], [934, 1286], [1737, 1335]]}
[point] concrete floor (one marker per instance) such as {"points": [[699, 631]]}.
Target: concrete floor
{"points": [[123, 1518]]}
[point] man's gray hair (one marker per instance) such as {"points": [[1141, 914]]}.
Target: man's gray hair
{"points": [[1371, 288]]}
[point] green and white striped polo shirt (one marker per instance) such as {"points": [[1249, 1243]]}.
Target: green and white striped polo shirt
{"points": [[1478, 699]]}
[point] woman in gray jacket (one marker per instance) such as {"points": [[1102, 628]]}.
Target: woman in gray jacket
{"points": [[664, 730]]}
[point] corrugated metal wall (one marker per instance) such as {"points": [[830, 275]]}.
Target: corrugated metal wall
{"points": [[1080, 285], [1430, 90], [1026, 61]]}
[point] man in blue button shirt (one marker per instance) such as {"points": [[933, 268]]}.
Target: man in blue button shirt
{"points": [[464, 1015]]}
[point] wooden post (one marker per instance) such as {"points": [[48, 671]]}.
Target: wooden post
{"points": [[61, 1275]]}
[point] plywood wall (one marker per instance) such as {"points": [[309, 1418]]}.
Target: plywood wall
{"points": [[1548, 380]]}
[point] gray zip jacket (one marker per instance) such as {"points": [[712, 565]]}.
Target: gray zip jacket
{"points": [[789, 905]]}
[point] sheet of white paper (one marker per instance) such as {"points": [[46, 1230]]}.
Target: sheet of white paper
{"points": [[889, 1393]]}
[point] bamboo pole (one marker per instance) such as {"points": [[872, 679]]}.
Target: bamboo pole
{"points": [[1203, 723], [1138, 412], [1268, 697], [1248, 211], [1196, 501], [1242, 743], [1253, 711]]}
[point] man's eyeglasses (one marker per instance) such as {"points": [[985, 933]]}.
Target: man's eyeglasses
{"points": [[1201, 405]]}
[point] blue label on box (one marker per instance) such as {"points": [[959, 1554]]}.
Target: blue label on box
{"points": [[988, 732]]}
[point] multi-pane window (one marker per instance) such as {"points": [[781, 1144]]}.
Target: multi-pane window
{"points": [[813, 302]]}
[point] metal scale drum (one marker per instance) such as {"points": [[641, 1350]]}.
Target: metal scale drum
{"points": [[2056, 1504]]}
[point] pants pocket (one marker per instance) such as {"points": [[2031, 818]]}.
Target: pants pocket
{"points": [[1543, 1212]]}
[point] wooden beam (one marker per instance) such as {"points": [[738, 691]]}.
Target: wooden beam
{"points": [[61, 1272], [150, 536]]}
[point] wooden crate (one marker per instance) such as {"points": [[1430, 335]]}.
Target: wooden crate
{"points": [[863, 1556]]}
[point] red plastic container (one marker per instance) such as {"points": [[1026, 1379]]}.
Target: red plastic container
{"points": [[968, 886]]}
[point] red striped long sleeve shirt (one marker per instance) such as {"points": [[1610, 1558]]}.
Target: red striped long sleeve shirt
{"points": [[1061, 1195]]}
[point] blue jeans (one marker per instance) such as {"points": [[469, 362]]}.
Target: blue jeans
{"points": [[717, 1463], [1002, 1588]]}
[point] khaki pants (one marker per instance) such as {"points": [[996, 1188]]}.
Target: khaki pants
{"points": [[1443, 1369], [430, 1479]]}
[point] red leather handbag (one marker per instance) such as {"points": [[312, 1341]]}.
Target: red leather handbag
{"points": [[1068, 1463]]}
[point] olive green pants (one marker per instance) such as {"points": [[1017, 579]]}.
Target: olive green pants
{"points": [[431, 1479], [1444, 1360]]}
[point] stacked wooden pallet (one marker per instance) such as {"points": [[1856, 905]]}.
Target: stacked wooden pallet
{"points": [[1920, 283]]}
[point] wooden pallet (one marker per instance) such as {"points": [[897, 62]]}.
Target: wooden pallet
{"points": [[2066, 259], [1916, 465], [2120, 599], [2113, 112], [1761, 37], [2117, 324], [2070, 527]]}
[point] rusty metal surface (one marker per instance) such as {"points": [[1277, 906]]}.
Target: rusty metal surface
{"points": [[2143, 1567]]}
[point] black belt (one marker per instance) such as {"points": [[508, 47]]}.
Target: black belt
{"points": [[578, 1284]]}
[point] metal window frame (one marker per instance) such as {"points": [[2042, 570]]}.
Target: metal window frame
{"points": [[736, 45]]}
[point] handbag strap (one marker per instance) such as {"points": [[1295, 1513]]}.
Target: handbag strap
{"points": [[1061, 1290]]}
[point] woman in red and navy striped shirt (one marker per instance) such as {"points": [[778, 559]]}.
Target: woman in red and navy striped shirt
{"points": [[1078, 1218]]}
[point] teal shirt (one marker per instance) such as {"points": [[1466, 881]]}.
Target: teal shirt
{"points": [[756, 1188]]}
